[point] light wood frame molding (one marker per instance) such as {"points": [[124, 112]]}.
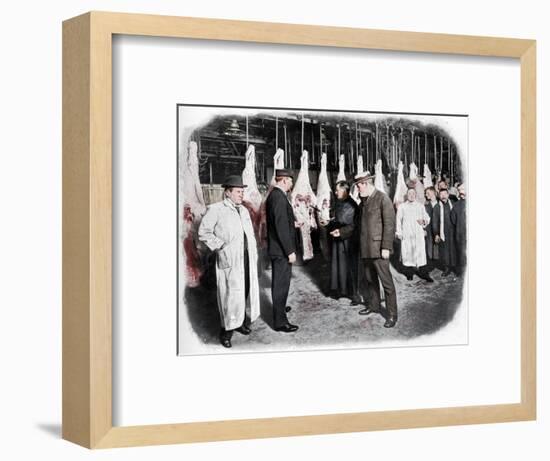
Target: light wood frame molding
{"points": [[87, 220]]}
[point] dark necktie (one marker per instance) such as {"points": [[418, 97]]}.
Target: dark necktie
{"points": [[244, 233]]}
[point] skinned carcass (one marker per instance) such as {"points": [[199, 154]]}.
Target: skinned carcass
{"points": [[427, 177], [354, 189], [401, 187], [379, 179], [341, 169], [278, 164], [324, 192], [416, 183], [413, 172], [252, 198], [304, 204], [193, 208]]}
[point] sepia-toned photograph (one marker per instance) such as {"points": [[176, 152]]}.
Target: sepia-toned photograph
{"points": [[309, 229]]}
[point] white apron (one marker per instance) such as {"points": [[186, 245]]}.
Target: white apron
{"points": [[411, 233]]}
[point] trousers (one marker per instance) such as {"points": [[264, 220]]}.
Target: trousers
{"points": [[377, 271], [280, 285]]}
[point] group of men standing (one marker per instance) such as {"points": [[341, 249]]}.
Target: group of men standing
{"points": [[446, 237], [362, 237], [429, 235]]}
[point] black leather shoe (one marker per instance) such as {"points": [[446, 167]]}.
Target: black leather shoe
{"points": [[287, 328], [243, 330], [368, 311], [390, 323], [225, 342], [355, 301], [225, 338], [288, 309]]}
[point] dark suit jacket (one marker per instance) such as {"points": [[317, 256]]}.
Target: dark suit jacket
{"points": [[431, 252], [458, 218], [281, 233], [376, 225], [447, 249]]}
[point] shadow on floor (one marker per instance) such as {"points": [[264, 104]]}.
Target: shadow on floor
{"points": [[52, 429]]}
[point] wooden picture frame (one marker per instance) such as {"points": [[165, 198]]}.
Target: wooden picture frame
{"points": [[87, 219]]}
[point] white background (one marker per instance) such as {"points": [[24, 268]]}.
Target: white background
{"points": [[30, 291], [144, 190]]}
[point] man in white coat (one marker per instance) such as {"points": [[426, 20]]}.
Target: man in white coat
{"points": [[411, 220], [226, 229]]}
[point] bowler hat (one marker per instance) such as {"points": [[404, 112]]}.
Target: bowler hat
{"points": [[281, 172], [362, 177], [233, 181]]}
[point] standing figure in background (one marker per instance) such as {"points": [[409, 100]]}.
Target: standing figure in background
{"points": [[444, 233], [344, 261], [432, 253], [281, 247], [375, 225], [458, 218], [411, 221], [226, 229]]}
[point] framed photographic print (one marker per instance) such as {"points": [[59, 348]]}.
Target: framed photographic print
{"points": [[270, 229]]}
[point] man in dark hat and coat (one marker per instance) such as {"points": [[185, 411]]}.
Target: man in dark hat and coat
{"points": [[226, 229], [281, 247], [376, 225]]}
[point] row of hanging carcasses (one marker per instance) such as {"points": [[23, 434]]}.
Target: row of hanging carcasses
{"points": [[309, 208]]}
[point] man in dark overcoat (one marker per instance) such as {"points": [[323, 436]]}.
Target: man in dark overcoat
{"points": [[376, 224], [458, 218], [281, 247], [444, 233], [344, 260], [431, 246]]}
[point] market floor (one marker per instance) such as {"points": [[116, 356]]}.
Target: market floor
{"points": [[325, 323]]}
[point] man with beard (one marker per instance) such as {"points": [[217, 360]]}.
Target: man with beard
{"points": [[343, 274], [458, 218], [281, 247], [444, 233]]}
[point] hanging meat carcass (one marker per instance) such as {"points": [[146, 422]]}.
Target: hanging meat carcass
{"points": [[413, 172], [324, 191], [379, 180], [401, 187], [304, 203], [278, 164], [341, 169], [416, 183], [193, 207], [252, 199], [427, 177], [360, 169]]}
